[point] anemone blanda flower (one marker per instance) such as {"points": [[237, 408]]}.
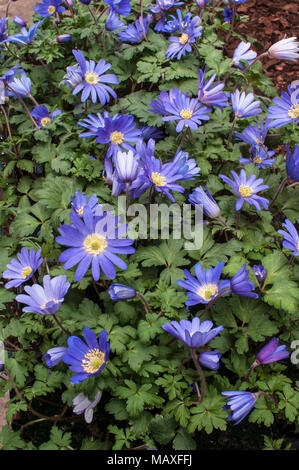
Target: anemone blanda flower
{"points": [[158, 105], [121, 292], [211, 95], [164, 5], [72, 77], [136, 33], [170, 26], [210, 359], [49, 8], [209, 205], [163, 177], [151, 132], [285, 49], [94, 240], [113, 22], [119, 132], [126, 165], [121, 7], [285, 108], [187, 111], [94, 79], [22, 269], [227, 14], [22, 86], [292, 163], [8, 76], [247, 189], [25, 36], [206, 286], [291, 237], [54, 356], [272, 352], [244, 105], [254, 135], [193, 333], [93, 124], [240, 404], [45, 300], [243, 53], [83, 405], [42, 115], [3, 29], [19, 21], [87, 360], [190, 29], [241, 285], [81, 200], [260, 272], [260, 157]]}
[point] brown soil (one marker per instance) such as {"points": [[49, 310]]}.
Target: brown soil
{"points": [[23, 8], [269, 21]]}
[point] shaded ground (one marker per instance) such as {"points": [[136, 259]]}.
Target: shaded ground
{"points": [[269, 21], [23, 8]]}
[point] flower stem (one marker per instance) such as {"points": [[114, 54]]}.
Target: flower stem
{"points": [[24, 106], [128, 194], [280, 188], [93, 15], [231, 131], [145, 302], [141, 20], [200, 373], [238, 219], [61, 326]]}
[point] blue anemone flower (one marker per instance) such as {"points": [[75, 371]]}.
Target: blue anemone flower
{"points": [[285, 108], [25, 36], [240, 404], [206, 287], [121, 292], [243, 53], [292, 163], [94, 240], [113, 22], [272, 352], [190, 29], [193, 333], [247, 189], [80, 201], [136, 33], [119, 132], [93, 124], [21, 270], [45, 300], [164, 5], [241, 285], [244, 105], [42, 115], [54, 356], [209, 205], [188, 111], [254, 135], [19, 21], [83, 405], [87, 360], [48, 8], [210, 359], [94, 79], [121, 7], [291, 237], [260, 272], [228, 14], [211, 96], [260, 157], [3, 29], [21, 86], [126, 165]]}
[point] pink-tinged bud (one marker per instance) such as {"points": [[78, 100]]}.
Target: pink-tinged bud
{"points": [[64, 38], [286, 49], [69, 3]]}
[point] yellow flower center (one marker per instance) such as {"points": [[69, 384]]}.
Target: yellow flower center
{"points": [[116, 137], [26, 271], [46, 303], [186, 114], [158, 180], [184, 38], [45, 121], [258, 141], [207, 291], [293, 112], [93, 360], [80, 211], [257, 160], [95, 244], [51, 9], [92, 78], [245, 190]]}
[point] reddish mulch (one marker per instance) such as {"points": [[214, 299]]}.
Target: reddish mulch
{"points": [[269, 21]]}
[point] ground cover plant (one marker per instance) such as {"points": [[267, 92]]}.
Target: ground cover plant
{"points": [[115, 334]]}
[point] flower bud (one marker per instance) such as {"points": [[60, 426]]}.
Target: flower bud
{"points": [[121, 292], [64, 38], [260, 273]]}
